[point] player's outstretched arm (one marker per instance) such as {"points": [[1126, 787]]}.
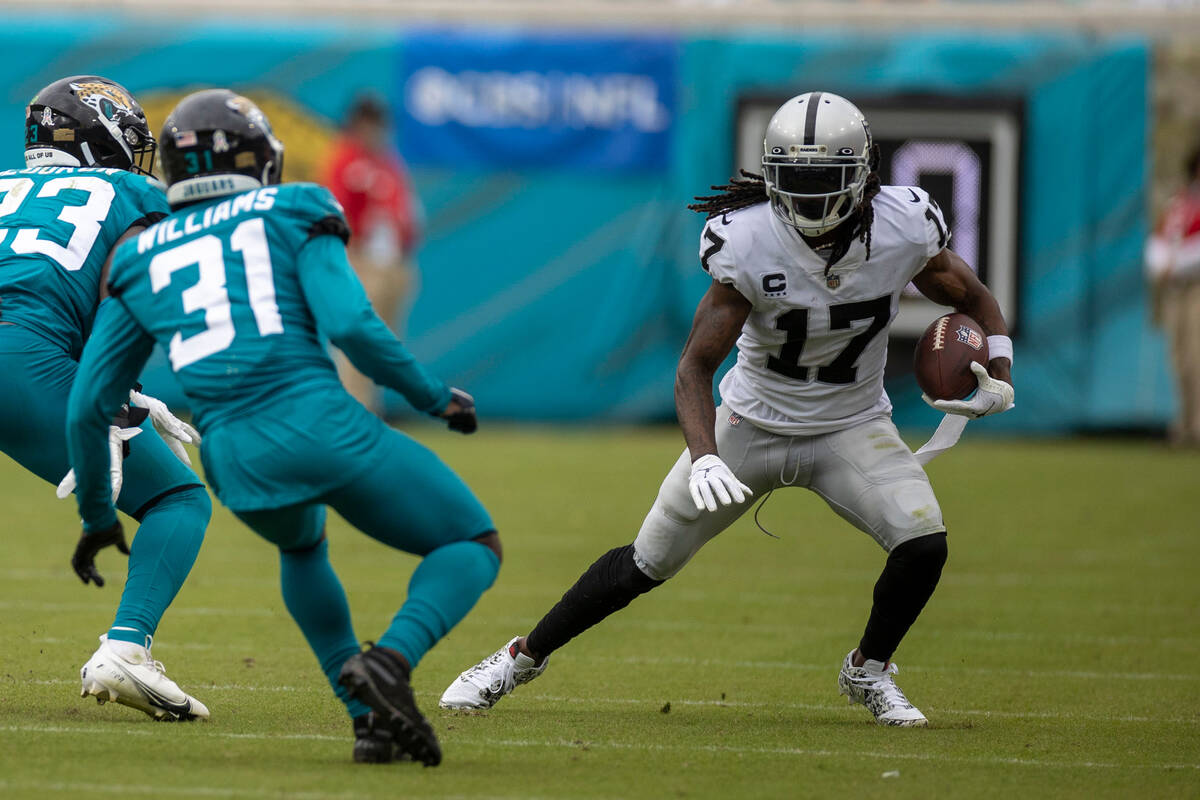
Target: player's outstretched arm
{"points": [[344, 314], [114, 355], [715, 328]]}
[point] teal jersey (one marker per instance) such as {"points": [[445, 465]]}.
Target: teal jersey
{"points": [[58, 225], [223, 286], [217, 285], [240, 291]]}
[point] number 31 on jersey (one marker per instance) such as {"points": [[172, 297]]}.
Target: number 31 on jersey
{"points": [[209, 293]]}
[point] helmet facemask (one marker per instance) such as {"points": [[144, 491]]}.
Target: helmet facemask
{"points": [[813, 191], [139, 145]]}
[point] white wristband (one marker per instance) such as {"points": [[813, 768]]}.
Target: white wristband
{"points": [[1000, 346]]}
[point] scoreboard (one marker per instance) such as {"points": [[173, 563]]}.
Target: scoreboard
{"points": [[965, 153]]}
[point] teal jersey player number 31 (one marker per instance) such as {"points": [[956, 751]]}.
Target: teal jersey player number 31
{"points": [[240, 285], [215, 283], [237, 289]]}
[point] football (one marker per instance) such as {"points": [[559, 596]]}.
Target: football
{"points": [[942, 362]]}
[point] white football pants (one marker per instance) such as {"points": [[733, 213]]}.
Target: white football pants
{"points": [[865, 473]]}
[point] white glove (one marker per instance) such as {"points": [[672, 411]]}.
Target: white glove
{"points": [[116, 455], [175, 432], [710, 476], [992, 397]]}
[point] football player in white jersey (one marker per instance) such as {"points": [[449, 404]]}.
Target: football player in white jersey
{"points": [[808, 262]]}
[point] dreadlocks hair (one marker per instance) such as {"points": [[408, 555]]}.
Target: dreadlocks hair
{"points": [[749, 189], [861, 229], [741, 192]]}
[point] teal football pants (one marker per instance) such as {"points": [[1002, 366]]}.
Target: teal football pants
{"points": [[160, 492], [410, 500]]}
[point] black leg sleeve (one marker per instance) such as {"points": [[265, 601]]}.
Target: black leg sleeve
{"points": [[909, 578], [609, 585]]}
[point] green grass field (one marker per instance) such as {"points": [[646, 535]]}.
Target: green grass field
{"points": [[1059, 656]]}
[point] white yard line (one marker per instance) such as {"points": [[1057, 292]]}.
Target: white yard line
{"points": [[1078, 639], [941, 670], [656, 702], [690, 661], [686, 748], [973, 712]]}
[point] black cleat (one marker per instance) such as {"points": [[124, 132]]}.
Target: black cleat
{"points": [[372, 743], [379, 678]]}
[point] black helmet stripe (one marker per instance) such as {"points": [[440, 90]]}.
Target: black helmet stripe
{"points": [[810, 119]]}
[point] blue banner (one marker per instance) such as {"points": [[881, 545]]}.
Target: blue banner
{"points": [[537, 100]]}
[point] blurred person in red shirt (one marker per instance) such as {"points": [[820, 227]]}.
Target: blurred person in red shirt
{"points": [[1173, 267], [367, 176]]}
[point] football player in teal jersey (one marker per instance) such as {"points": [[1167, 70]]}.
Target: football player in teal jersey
{"points": [[240, 284], [85, 188]]}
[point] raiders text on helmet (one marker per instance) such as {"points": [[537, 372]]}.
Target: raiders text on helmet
{"points": [[216, 142], [88, 121], [816, 157]]}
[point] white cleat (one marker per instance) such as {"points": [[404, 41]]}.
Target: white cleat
{"points": [[484, 684], [126, 673], [872, 685]]}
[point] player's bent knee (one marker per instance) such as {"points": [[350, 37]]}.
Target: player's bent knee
{"points": [[470, 561], [302, 548], [929, 551], [491, 540], [192, 498], [645, 575]]}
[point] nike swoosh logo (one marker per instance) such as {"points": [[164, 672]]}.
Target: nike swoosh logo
{"points": [[915, 198], [183, 709]]}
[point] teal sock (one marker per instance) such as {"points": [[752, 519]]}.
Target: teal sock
{"points": [[160, 558], [315, 599], [442, 590]]}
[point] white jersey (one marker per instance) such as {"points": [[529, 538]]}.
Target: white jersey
{"points": [[811, 354]]}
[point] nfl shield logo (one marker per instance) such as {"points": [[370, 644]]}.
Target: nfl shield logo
{"points": [[833, 281], [970, 338]]}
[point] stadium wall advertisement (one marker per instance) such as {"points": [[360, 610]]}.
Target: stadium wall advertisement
{"points": [[559, 269], [537, 102]]}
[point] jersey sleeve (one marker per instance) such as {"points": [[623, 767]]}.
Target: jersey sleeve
{"points": [[118, 271], [343, 313], [146, 200], [937, 234], [110, 364], [717, 254], [320, 212]]}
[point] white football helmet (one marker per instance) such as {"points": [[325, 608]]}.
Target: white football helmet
{"points": [[816, 157]]}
